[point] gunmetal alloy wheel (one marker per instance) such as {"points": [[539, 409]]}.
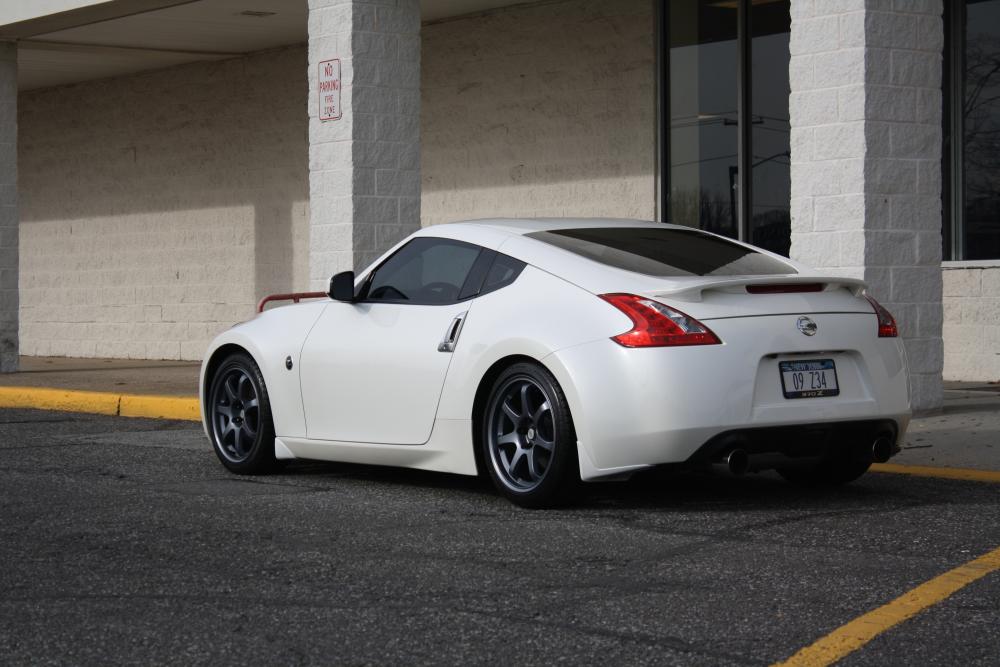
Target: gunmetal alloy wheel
{"points": [[236, 414], [240, 416], [522, 433]]}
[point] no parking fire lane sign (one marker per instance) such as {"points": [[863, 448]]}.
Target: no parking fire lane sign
{"points": [[329, 90]]}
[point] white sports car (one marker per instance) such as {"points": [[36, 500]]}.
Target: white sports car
{"points": [[549, 351]]}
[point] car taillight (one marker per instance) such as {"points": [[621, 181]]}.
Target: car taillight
{"points": [[657, 325], [886, 322]]}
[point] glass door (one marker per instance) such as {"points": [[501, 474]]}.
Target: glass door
{"points": [[724, 108]]}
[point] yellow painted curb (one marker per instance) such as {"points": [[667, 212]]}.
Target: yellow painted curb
{"points": [[964, 474], [40, 398], [160, 407], [852, 636], [102, 403]]}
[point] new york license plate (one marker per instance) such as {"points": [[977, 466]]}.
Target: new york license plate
{"points": [[808, 379]]}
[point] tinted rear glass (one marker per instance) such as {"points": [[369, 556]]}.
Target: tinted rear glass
{"points": [[664, 252]]}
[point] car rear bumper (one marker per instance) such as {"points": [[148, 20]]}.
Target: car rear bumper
{"points": [[775, 446], [635, 408]]}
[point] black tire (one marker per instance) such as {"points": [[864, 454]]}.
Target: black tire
{"points": [[830, 472], [239, 413], [527, 441]]}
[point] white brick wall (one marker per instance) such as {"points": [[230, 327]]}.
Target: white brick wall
{"points": [[545, 110], [8, 208], [866, 148], [163, 205], [364, 169], [157, 208], [972, 323]]}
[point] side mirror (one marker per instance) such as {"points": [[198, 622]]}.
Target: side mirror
{"points": [[342, 286]]}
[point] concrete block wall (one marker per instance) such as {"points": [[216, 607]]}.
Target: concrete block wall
{"points": [[540, 110], [364, 169], [163, 205], [972, 323], [866, 149], [8, 208], [156, 209]]}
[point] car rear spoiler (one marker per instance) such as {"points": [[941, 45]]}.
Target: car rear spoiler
{"points": [[694, 291]]}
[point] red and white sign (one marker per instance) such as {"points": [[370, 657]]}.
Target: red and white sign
{"points": [[329, 90]]}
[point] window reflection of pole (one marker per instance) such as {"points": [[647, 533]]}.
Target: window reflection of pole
{"points": [[734, 196], [726, 118], [787, 154]]}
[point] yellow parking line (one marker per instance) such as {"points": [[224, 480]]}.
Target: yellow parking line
{"points": [[101, 403], [965, 474], [852, 636]]}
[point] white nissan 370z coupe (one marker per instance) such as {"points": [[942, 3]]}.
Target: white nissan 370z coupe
{"points": [[544, 352]]}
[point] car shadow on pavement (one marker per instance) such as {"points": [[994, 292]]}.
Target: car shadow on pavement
{"points": [[649, 490]]}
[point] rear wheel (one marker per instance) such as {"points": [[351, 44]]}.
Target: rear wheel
{"points": [[528, 441], [835, 471], [239, 411]]}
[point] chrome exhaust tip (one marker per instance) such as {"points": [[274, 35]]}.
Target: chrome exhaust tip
{"points": [[735, 463], [882, 449]]}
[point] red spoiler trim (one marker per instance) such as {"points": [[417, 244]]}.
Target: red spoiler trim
{"points": [[290, 296], [789, 288]]}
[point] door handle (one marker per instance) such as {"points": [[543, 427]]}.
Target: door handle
{"points": [[452, 333]]}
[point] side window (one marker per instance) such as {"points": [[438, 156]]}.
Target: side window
{"points": [[504, 271], [424, 271]]}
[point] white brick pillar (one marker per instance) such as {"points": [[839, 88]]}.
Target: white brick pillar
{"points": [[9, 218], [865, 113], [364, 163]]}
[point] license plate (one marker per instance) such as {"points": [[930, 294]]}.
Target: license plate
{"points": [[808, 379]]}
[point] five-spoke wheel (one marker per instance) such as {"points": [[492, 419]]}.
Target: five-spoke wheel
{"points": [[240, 416], [528, 437]]}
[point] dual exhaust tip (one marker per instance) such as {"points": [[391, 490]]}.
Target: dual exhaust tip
{"points": [[882, 449], [736, 462]]}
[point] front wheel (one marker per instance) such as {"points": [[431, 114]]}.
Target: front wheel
{"points": [[239, 414], [528, 441]]}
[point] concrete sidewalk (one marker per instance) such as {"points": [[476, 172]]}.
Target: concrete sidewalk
{"points": [[128, 388], [126, 376], [965, 433]]}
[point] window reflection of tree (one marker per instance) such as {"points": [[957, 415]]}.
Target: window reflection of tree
{"points": [[707, 209], [981, 112]]}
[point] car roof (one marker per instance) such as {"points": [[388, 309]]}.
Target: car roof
{"points": [[510, 236], [493, 232], [523, 226]]}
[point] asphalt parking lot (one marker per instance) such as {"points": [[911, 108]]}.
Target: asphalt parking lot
{"points": [[124, 541]]}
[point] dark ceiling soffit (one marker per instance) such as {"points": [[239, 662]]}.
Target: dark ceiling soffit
{"points": [[84, 16], [77, 47]]}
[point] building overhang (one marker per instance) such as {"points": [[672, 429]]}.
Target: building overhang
{"points": [[62, 42]]}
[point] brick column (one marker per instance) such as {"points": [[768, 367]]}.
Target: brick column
{"points": [[866, 160], [364, 168], [9, 218]]}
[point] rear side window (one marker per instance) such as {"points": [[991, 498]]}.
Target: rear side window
{"points": [[504, 271], [664, 252]]}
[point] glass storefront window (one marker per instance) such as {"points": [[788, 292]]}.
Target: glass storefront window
{"points": [[770, 140], [727, 115], [972, 130], [703, 138]]}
